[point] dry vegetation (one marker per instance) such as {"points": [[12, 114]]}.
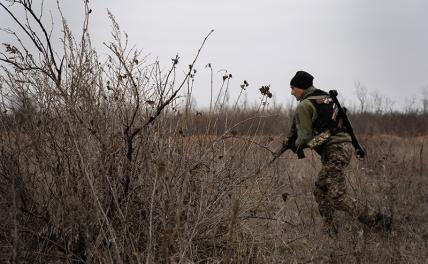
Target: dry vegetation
{"points": [[99, 164]]}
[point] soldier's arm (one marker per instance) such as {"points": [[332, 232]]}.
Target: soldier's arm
{"points": [[305, 115], [291, 133]]}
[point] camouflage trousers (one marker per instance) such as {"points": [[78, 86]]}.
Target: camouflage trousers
{"points": [[330, 187]]}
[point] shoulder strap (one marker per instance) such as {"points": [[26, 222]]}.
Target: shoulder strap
{"points": [[316, 97], [319, 96]]}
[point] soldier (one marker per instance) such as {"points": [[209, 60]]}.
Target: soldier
{"points": [[316, 126]]}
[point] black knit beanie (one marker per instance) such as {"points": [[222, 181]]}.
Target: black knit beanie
{"points": [[302, 80]]}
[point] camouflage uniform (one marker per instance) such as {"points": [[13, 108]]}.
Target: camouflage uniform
{"points": [[330, 187], [336, 152]]}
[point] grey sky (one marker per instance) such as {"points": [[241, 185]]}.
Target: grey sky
{"points": [[381, 43]]}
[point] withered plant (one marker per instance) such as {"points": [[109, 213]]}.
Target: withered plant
{"points": [[97, 161], [101, 163]]}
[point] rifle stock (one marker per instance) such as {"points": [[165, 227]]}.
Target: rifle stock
{"points": [[360, 151]]}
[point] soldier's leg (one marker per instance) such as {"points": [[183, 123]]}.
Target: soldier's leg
{"points": [[331, 178], [321, 197], [332, 181]]}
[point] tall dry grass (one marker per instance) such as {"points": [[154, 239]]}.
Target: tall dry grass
{"points": [[99, 164]]}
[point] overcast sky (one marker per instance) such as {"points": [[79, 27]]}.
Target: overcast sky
{"points": [[380, 43]]}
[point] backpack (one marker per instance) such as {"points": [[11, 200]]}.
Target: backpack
{"points": [[327, 113]]}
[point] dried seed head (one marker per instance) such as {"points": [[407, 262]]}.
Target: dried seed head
{"points": [[175, 60], [264, 90], [244, 85]]}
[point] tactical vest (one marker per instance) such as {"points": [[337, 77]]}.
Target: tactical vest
{"points": [[327, 113]]}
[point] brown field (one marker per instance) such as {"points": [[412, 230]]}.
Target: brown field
{"points": [[102, 162], [205, 199]]}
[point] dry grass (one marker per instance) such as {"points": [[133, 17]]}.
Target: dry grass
{"points": [[205, 199], [100, 164]]}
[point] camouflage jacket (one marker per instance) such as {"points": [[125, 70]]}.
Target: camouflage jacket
{"points": [[302, 123]]}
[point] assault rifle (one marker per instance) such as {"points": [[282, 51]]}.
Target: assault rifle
{"points": [[289, 145], [360, 151]]}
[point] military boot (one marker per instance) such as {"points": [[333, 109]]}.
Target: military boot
{"points": [[383, 220], [378, 219]]}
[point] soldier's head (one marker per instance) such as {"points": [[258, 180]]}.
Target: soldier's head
{"points": [[299, 83]]}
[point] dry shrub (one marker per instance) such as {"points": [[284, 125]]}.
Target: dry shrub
{"points": [[100, 165], [97, 162]]}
